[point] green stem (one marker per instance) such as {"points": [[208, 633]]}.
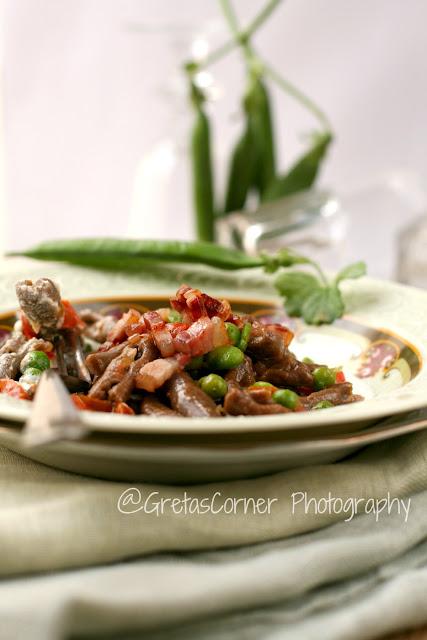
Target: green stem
{"points": [[230, 17], [319, 272], [298, 95], [219, 53], [242, 38], [263, 15], [239, 36]]}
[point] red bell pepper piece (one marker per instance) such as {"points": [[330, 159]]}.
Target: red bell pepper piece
{"points": [[13, 389], [340, 377], [71, 319], [86, 403]]}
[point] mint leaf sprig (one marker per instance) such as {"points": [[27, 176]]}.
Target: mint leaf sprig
{"points": [[313, 297]]}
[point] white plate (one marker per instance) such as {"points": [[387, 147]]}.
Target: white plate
{"points": [[382, 347], [127, 460]]}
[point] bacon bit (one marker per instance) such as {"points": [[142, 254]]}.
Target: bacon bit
{"points": [[182, 359], [27, 329], [122, 407], [164, 313], [178, 302], [138, 327], [286, 333], [13, 389], [160, 333], [201, 337], [118, 333], [85, 403], [201, 333], [182, 342], [153, 320], [154, 374], [340, 377], [220, 333], [175, 327], [71, 319], [214, 307], [237, 320], [193, 304]]}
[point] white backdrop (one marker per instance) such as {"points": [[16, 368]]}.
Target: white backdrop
{"points": [[84, 101]]}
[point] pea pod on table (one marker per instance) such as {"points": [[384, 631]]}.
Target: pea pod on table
{"points": [[123, 252]]}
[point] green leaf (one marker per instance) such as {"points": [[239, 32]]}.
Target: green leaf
{"points": [[296, 287], [323, 306], [355, 270]]}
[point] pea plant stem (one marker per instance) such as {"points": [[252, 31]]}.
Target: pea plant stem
{"points": [[239, 37], [263, 15], [293, 91]]}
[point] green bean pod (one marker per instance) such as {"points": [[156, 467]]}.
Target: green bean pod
{"points": [[261, 125], [241, 172], [303, 173], [203, 196]]}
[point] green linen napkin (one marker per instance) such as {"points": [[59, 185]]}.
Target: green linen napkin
{"points": [[51, 519], [352, 580]]}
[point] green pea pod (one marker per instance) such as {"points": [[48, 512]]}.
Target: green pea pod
{"points": [[303, 173], [261, 125], [240, 172], [134, 255], [202, 176]]}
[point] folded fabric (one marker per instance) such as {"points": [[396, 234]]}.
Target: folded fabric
{"points": [[51, 519], [357, 579]]}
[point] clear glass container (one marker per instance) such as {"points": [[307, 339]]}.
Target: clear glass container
{"points": [[311, 222]]}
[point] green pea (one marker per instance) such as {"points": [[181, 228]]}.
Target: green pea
{"points": [[308, 360], [31, 376], [323, 377], [215, 386], [286, 398], [227, 357], [174, 316], [233, 333], [244, 338], [35, 359], [195, 363], [261, 383], [324, 404]]}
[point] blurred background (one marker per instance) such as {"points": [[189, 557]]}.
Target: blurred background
{"points": [[94, 116]]}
